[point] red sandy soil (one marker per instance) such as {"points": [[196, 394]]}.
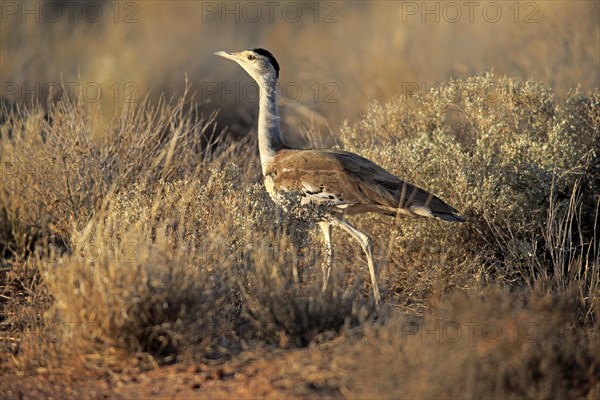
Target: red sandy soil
{"points": [[291, 374]]}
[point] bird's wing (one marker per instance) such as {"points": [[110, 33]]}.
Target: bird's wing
{"points": [[345, 178], [318, 175]]}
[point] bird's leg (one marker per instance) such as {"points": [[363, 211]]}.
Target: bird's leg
{"points": [[367, 244], [326, 227]]}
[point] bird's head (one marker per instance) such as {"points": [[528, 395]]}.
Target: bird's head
{"points": [[259, 63]]}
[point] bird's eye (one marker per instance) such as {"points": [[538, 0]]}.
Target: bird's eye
{"points": [[250, 57]]}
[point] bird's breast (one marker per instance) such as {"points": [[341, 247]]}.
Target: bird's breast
{"points": [[269, 185], [269, 182], [298, 202]]}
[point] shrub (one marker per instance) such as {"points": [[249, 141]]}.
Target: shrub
{"points": [[510, 159]]}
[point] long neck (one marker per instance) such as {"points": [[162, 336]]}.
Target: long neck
{"points": [[269, 134]]}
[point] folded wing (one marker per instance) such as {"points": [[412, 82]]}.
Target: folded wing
{"points": [[353, 184]]}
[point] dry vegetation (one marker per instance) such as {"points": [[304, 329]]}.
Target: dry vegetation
{"points": [[392, 52], [152, 244], [146, 239]]}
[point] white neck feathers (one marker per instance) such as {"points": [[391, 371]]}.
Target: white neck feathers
{"points": [[269, 133]]}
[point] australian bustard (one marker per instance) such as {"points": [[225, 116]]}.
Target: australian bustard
{"points": [[343, 182]]}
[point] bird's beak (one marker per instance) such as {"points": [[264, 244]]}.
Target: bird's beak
{"points": [[226, 54]]}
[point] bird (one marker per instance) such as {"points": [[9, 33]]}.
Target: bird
{"points": [[338, 183]]}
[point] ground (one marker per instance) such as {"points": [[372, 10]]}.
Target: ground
{"points": [[290, 374]]}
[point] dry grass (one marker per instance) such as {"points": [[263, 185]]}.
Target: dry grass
{"points": [[156, 248], [492, 344], [129, 254], [392, 51], [138, 235], [514, 164]]}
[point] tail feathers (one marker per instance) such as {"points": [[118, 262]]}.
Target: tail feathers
{"points": [[449, 217], [411, 201]]}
